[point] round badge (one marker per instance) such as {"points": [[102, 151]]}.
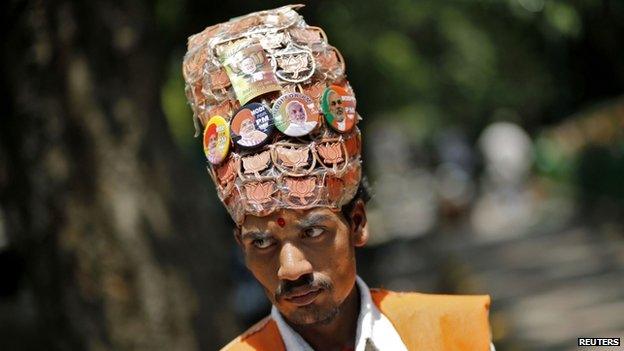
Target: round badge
{"points": [[295, 114], [216, 139], [338, 106], [252, 125]]}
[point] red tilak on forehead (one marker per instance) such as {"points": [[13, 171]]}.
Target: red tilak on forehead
{"points": [[281, 222]]}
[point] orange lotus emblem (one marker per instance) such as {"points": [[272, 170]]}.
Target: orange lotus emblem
{"points": [[256, 163], [328, 60], [244, 23], [306, 36], [227, 172], [193, 66], [334, 188], [259, 192], [224, 108], [314, 91], [353, 145], [352, 177], [301, 188], [331, 153], [295, 158], [232, 201], [219, 79], [198, 92]]}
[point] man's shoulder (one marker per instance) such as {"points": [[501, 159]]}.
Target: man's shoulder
{"points": [[417, 299], [262, 335], [437, 321]]}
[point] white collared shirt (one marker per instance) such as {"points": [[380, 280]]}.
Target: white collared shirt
{"points": [[372, 326]]}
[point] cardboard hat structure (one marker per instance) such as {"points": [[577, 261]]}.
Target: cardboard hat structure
{"points": [[277, 114]]}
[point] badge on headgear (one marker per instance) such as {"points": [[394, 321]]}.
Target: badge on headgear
{"points": [[216, 140], [252, 125], [295, 114], [338, 106]]}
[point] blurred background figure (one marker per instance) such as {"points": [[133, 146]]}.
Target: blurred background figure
{"points": [[494, 145], [402, 185], [505, 206]]}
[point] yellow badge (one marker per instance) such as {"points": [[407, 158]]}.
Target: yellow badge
{"points": [[216, 139]]}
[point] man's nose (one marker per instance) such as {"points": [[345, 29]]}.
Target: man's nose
{"points": [[293, 263]]}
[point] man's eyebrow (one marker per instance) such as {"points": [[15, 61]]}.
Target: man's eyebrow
{"points": [[255, 235], [314, 219]]}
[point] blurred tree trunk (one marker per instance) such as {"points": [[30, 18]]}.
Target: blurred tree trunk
{"points": [[112, 225]]}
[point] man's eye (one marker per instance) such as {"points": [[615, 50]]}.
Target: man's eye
{"points": [[314, 232], [261, 243]]}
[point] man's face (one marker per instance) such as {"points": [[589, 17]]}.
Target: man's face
{"points": [[247, 127], [212, 143], [248, 65], [335, 106], [296, 112], [304, 259]]}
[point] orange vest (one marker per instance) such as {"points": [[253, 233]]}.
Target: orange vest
{"points": [[425, 322]]}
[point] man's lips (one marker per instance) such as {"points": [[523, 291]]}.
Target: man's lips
{"points": [[303, 297]]}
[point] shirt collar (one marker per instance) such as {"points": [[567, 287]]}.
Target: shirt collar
{"points": [[372, 326]]}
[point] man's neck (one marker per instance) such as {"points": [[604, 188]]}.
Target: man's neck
{"points": [[340, 332]]}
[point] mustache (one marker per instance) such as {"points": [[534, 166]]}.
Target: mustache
{"points": [[286, 287]]}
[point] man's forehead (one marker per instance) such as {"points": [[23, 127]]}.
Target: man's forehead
{"points": [[295, 216]]}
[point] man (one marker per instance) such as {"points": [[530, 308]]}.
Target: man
{"points": [[211, 145], [298, 119], [249, 135], [336, 109], [303, 254], [245, 125]]}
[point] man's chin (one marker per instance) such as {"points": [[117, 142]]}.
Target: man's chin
{"points": [[311, 315]]}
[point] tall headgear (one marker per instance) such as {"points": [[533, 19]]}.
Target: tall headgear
{"points": [[277, 113]]}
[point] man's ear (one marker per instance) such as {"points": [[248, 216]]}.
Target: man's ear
{"points": [[359, 224]]}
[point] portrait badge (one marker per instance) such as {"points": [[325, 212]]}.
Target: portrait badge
{"points": [[216, 139], [252, 125], [338, 105], [249, 69], [295, 114]]}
